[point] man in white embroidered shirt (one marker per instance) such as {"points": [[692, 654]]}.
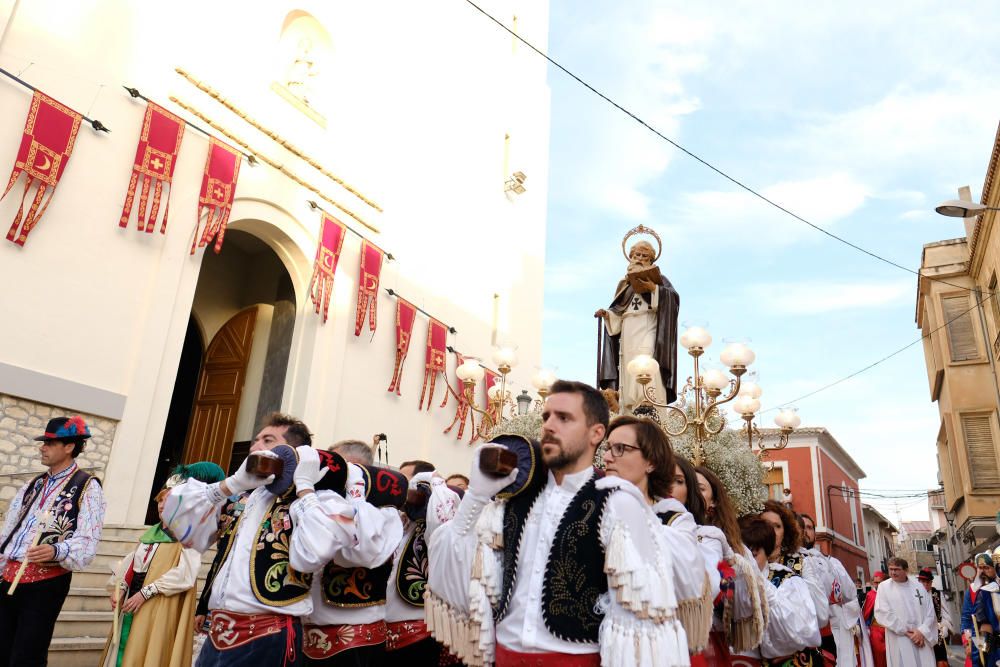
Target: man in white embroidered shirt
{"points": [[52, 527], [906, 611], [565, 572]]}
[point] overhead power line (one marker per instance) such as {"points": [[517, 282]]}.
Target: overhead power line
{"points": [[887, 357], [732, 179]]}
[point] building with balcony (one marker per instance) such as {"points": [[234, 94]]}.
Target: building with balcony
{"points": [[958, 311], [880, 539]]}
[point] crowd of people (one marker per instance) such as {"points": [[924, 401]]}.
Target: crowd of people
{"points": [[331, 560]]}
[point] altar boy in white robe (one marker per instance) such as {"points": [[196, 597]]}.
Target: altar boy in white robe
{"points": [[905, 609]]}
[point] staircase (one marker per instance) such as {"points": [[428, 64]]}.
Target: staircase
{"points": [[85, 620]]}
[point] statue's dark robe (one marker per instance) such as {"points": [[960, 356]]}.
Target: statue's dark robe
{"points": [[665, 351]]}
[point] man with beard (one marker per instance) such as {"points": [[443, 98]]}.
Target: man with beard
{"points": [[818, 573], [970, 629], [986, 614], [567, 573]]}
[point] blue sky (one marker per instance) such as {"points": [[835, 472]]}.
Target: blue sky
{"points": [[859, 117]]}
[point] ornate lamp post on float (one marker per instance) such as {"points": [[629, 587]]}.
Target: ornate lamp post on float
{"points": [[706, 389], [471, 371], [747, 404]]}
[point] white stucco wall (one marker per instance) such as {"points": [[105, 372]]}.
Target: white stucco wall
{"points": [[422, 96]]}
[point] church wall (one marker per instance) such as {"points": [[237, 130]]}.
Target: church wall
{"points": [[391, 128]]}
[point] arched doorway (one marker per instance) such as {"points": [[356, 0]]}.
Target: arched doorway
{"points": [[242, 319]]}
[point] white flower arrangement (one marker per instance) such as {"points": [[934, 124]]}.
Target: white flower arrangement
{"points": [[728, 456]]}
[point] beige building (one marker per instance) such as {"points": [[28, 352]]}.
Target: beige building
{"points": [[426, 133], [958, 312]]}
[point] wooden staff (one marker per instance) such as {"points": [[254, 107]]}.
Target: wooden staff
{"points": [[42, 523], [118, 607]]}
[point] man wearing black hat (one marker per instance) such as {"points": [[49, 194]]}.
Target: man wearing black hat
{"points": [[52, 527]]}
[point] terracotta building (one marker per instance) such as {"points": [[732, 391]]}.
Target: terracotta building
{"points": [[823, 480]]}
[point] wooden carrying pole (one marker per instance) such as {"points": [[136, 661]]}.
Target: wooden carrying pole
{"points": [[42, 523]]}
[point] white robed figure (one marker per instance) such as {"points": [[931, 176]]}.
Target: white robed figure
{"points": [[906, 611]]}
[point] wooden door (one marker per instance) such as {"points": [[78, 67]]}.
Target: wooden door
{"points": [[220, 386]]}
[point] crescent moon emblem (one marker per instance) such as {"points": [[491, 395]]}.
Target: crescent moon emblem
{"points": [[47, 163]]}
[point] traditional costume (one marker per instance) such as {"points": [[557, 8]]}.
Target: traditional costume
{"points": [[970, 626], [347, 624], [845, 615], [408, 641], [819, 576], [567, 574], [65, 510], [876, 633], [987, 611], [901, 607], [792, 633], [165, 574], [942, 616], [269, 547]]}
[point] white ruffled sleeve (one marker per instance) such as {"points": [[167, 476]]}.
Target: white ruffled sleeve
{"points": [[464, 573], [181, 577], [640, 626], [791, 623], [816, 572], [441, 507], [191, 513]]}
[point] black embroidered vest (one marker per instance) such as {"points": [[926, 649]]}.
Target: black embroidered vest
{"points": [[411, 577], [65, 507], [667, 518], [355, 586], [574, 569], [272, 579]]}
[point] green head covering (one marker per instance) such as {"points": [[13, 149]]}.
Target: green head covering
{"points": [[984, 559], [203, 471]]}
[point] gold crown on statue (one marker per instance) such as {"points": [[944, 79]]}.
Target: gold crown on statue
{"points": [[642, 229]]}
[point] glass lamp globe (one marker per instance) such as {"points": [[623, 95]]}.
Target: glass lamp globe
{"points": [[737, 354], [470, 371], [696, 336], [715, 379]]}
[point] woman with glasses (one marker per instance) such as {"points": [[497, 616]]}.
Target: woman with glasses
{"points": [[639, 452]]}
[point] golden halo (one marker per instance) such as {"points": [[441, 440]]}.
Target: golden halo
{"points": [[642, 229]]}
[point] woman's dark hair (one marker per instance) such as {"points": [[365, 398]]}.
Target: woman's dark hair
{"points": [[793, 536], [757, 534], [655, 448], [695, 502], [723, 515]]}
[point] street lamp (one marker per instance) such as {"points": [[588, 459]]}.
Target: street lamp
{"points": [[958, 208]]}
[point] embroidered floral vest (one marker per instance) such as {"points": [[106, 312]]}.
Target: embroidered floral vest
{"points": [[272, 579], [65, 507], [355, 586], [574, 569], [411, 577]]}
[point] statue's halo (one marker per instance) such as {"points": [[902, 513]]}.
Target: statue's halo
{"points": [[642, 229]]}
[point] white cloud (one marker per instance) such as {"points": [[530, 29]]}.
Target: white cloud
{"points": [[815, 297], [739, 219]]}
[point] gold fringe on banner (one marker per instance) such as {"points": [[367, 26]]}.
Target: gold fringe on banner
{"points": [[274, 136], [263, 158]]}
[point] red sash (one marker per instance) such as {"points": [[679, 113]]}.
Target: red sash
{"points": [[508, 658], [404, 633], [33, 572], [325, 641], [228, 629]]}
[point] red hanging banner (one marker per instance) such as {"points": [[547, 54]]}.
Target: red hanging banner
{"points": [[155, 159], [371, 270], [331, 241], [49, 134], [406, 313], [218, 189], [436, 361]]}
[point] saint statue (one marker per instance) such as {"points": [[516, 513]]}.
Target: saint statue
{"points": [[642, 319], [302, 71]]}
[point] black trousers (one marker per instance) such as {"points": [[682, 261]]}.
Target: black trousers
{"points": [[362, 656], [27, 620], [418, 654]]}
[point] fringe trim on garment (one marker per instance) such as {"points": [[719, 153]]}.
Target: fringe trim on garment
{"points": [[627, 643], [695, 615], [458, 631], [639, 585], [746, 634]]}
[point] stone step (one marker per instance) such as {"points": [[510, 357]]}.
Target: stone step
{"points": [[86, 599], [75, 651], [83, 624]]}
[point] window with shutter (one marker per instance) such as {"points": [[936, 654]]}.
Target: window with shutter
{"points": [[961, 335], [982, 454], [994, 302]]}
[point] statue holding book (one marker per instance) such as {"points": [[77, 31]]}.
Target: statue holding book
{"points": [[642, 319]]}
